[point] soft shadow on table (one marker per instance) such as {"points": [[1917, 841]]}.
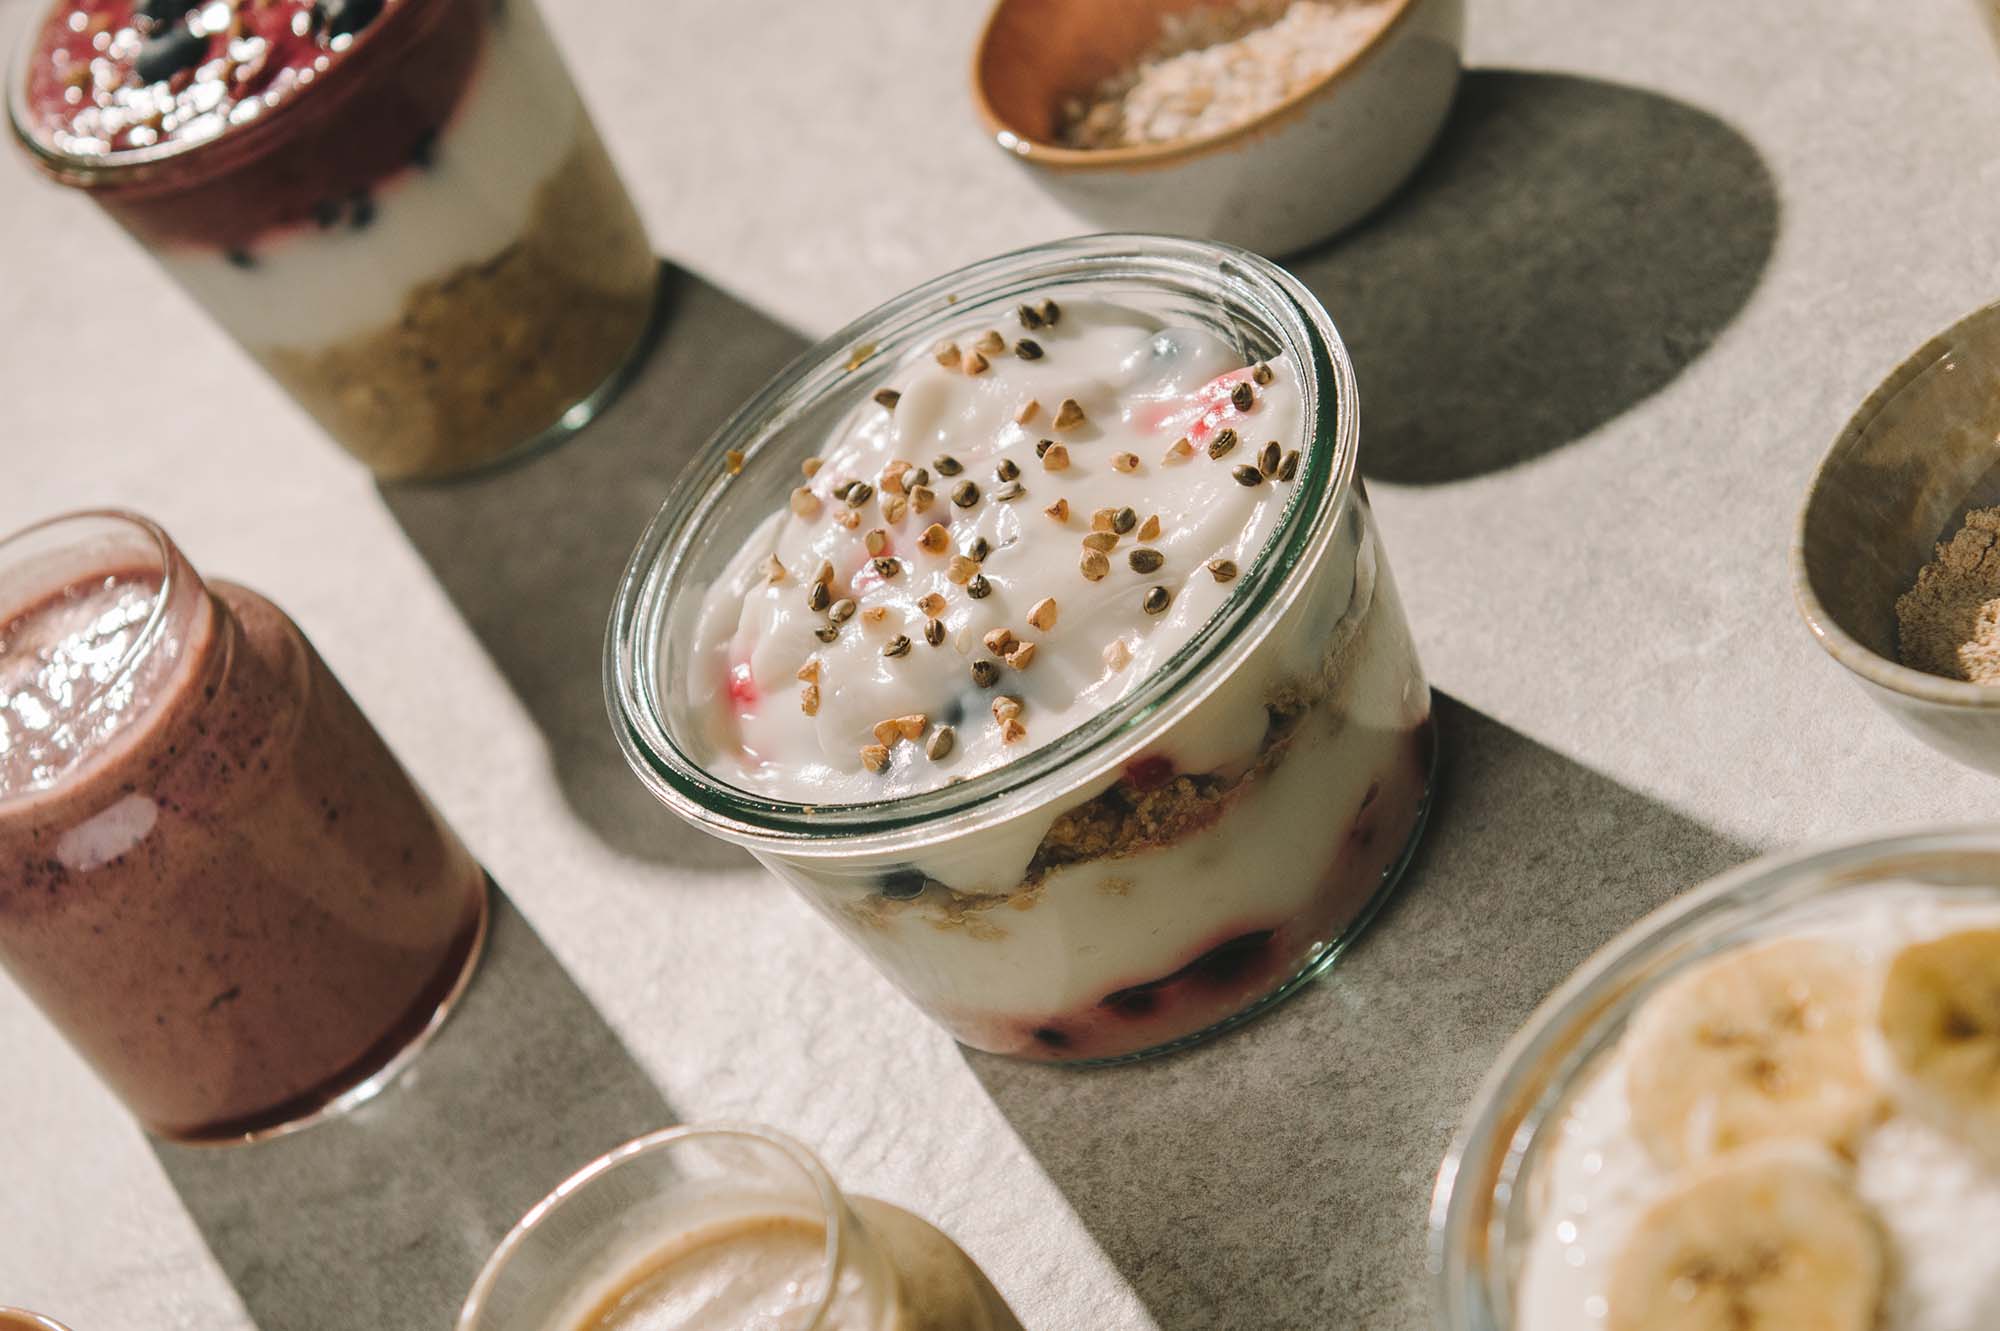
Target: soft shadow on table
{"points": [[1569, 247], [532, 554], [1258, 1180], [382, 1217]]}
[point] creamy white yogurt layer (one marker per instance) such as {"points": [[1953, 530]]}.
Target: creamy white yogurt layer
{"points": [[1141, 388], [309, 287], [1938, 1202]]}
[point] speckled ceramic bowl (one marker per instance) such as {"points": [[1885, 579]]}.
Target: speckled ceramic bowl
{"points": [[1922, 451], [1288, 178]]}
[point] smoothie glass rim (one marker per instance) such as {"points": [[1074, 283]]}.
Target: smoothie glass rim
{"points": [[1248, 291], [1481, 1181], [235, 144], [832, 1204], [175, 572]]}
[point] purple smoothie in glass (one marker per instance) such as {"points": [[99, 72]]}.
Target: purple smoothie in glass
{"points": [[214, 877]]}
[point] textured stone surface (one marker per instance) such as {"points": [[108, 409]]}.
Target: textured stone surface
{"points": [[1602, 340]]}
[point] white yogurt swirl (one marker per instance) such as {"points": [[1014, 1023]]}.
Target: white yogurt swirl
{"points": [[1161, 433]]}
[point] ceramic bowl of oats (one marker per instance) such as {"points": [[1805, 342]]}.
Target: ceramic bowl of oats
{"points": [[1896, 562], [1269, 124]]}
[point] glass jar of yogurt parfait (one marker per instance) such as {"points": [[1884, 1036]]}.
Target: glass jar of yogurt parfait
{"points": [[1774, 1102], [1035, 628], [399, 207]]}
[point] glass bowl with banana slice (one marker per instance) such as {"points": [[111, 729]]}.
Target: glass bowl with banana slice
{"points": [[1772, 1105]]}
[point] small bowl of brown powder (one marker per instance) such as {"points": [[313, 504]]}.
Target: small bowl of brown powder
{"points": [[1270, 124], [1896, 565]]}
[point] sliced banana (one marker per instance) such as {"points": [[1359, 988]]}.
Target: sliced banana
{"points": [[1764, 1043], [1765, 1240], [1940, 1023]]}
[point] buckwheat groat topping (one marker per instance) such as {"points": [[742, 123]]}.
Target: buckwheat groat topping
{"points": [[1013, 530]]}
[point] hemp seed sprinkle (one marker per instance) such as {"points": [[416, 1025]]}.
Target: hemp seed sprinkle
{"points": [[875, 757], [805, 503], [887, 398], [1069, 415], [1058, 510], [1242, 397], [732, 462], [1149, 530], [1222, 569], [948, 355], [1219, 446], [1055, 457], [1042, 614]]}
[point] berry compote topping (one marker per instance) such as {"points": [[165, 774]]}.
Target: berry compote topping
{"points": [[111, 75]]}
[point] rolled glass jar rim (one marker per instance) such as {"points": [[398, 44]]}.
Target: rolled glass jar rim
{"points": [[184, 163], [1562, 1038], [832, 1205], [173, 568], [658, 571]]}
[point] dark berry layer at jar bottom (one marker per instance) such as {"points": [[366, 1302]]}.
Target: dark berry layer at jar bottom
{"points": [[1231, 968]]}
